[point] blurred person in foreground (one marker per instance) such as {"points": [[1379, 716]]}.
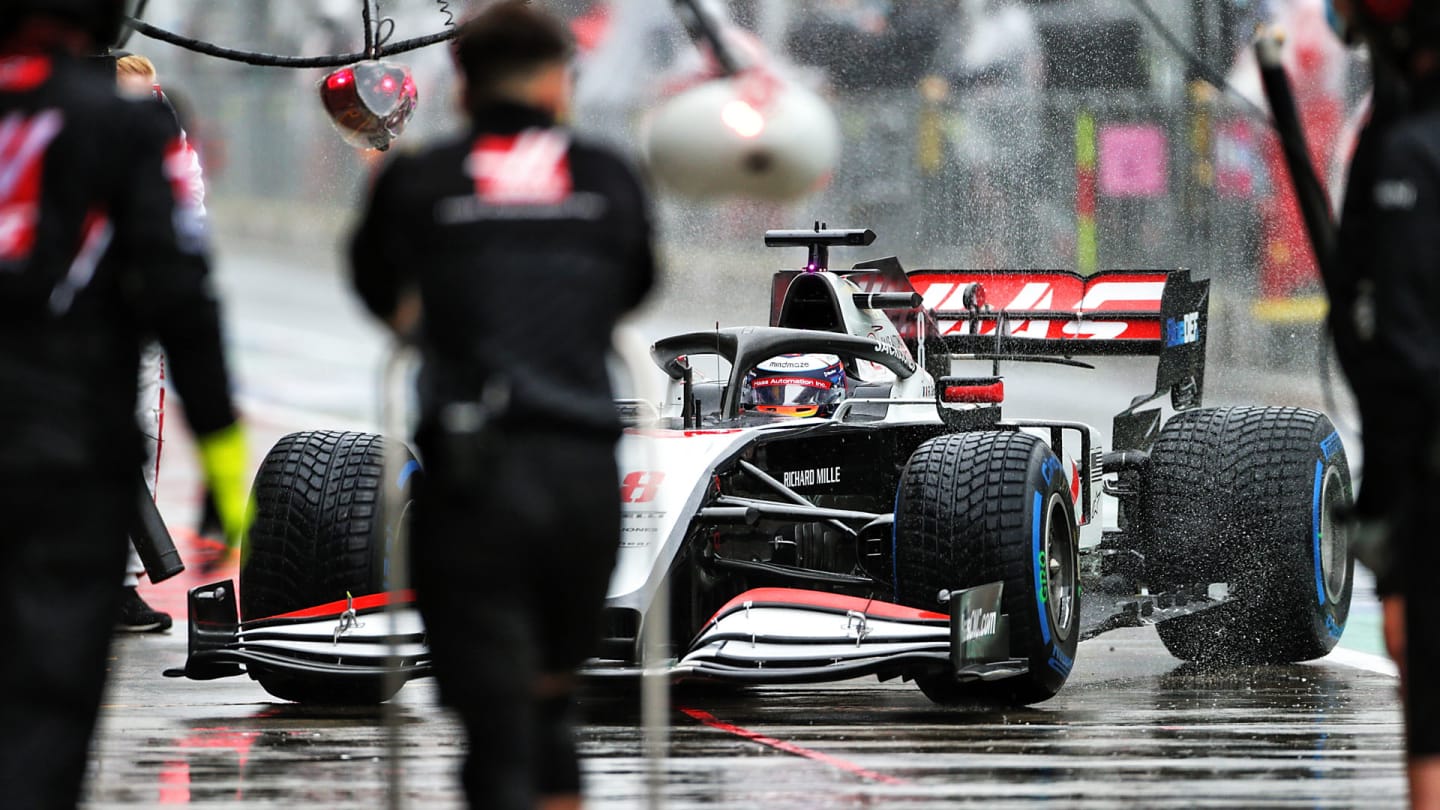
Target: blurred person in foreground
{"points": [[136, 78], [95, 254], [1385, 315], [509, 254]]}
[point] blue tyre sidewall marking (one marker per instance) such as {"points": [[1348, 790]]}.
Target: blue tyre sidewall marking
{"points": [[1036, 565], [411, 467], [1315, 531]]}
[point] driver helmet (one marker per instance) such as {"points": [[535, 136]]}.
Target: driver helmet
{"points": [[795, 385]]}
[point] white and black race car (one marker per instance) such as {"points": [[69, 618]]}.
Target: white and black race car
{"points": [[835, 503]]}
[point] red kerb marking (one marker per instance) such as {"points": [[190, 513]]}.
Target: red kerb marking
{"points": [[791, 748], [373, 600]]}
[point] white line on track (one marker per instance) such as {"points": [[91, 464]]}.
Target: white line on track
{"points": [[1362, 660]]}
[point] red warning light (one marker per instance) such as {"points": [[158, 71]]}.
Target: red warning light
{"points": [[339, 79]]}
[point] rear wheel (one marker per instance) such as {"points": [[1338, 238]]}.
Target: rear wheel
{"points": [[1247, 496], [317, 536], [975, 508]]}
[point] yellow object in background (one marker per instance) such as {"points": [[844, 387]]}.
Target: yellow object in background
{"points": [[224, 459]]}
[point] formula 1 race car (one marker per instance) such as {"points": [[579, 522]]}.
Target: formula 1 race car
{"points": [[835, 503]]}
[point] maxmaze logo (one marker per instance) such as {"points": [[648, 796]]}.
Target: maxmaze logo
{"points": [[1183, 330]]}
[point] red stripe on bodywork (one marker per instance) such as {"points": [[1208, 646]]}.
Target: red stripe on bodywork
{"points": [[159, 431], [798, 597], [374, 600], [790, 748]]}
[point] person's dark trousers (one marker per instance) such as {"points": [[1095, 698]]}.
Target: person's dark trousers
{"points": [[511, 572], [1422, 623], [63, 545]]}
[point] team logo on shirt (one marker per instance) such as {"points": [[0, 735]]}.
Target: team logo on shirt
{"points": [[19, 74], [529, 168], [23, 141]]}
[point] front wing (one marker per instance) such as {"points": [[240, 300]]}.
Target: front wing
{"points": [[786, 635], [765, 635], [772, 635], [353, 638]]}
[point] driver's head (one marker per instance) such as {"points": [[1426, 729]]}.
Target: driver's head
{"points": [[514, 52], [795, 385]]}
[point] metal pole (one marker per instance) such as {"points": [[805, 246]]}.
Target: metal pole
{"points": [[633, 351], [394, 396], [655, 696]]}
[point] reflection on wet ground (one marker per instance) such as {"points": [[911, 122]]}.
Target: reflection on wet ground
{"points": [[1132, 727], [1292, 736]]}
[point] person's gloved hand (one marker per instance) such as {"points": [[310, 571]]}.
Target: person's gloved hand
{"points": [[1372, 543], [224, 459]]}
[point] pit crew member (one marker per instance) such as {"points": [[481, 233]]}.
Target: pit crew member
{"points": [[1385, 314], [137, 78], [92, 259], [513, 249]]}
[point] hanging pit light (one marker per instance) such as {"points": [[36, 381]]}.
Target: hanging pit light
{"points": [[743, 129], [719, 138], [370, 102], [368, 99]]}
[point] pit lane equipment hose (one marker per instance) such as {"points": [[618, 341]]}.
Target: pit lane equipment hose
{"points": [[449, 15], [376, 34], [702, 29], [151, 539], [1203, 70], [125, 33], [1314, 206]]}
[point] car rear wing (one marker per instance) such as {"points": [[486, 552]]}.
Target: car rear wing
{"points": [[1055, 314]]}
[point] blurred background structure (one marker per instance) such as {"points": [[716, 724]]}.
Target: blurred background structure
{"points": [[977, 133], [1068, 134]]}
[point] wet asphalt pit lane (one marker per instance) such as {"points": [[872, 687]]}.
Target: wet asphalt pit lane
{"points": [[1133, 727]]}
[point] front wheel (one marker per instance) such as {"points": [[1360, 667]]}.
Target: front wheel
{"points": [[318, 536], [983, 507]]}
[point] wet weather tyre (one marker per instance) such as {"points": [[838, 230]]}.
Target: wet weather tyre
{"points": [[317, 535], [983, 507], [1248, 496]]}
